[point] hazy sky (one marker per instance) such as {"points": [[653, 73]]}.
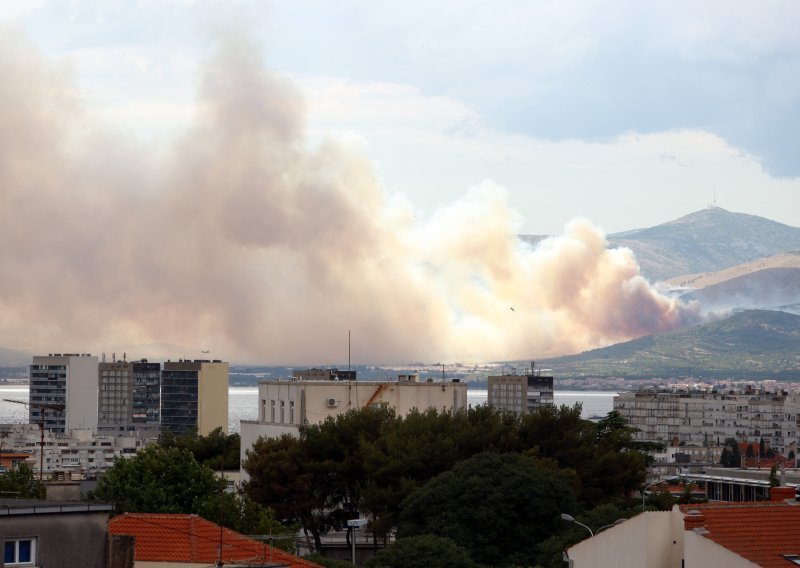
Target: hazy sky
{"points": [[627, 113], [259, 179]]}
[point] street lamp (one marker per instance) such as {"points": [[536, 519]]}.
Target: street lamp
{"points": [[669, 479], [571, 519], [615, 523], [355, 524]]}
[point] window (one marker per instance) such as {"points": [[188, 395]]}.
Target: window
{"points": [[291, 412], [272, 411], [282, 416], [19, 552]]}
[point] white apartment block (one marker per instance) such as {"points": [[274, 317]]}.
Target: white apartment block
{"points": [[703, 418], [64, 380], [79, 451], [286, 405]]}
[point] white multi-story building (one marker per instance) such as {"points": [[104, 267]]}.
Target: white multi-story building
{"points": [[286, 405], [703, 418], [67, 381], [76, 450]]}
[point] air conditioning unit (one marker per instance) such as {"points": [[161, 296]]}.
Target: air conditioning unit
{"points": [[332, 403]]}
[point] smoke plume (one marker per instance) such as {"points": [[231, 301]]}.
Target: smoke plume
{"points": [[244, 239]]}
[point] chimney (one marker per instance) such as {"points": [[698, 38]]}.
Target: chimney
{"points": [[781, 493], [693, 519]]}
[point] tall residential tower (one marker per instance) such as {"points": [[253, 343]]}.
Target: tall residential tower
{"points": [[194, 394], [68, 380]]}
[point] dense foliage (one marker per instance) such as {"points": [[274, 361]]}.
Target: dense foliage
{"points": [[170, 480], [731, 455], [496, 506], [19, 482], [374, 463], [217, 450], [425, 551]]}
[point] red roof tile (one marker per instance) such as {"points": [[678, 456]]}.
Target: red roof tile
{"points": [[189, 538], [761, 532]]}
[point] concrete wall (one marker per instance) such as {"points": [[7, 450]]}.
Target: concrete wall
{"points": [[212, 398], [644, 541], [311, 402], [82, 389], [62, 539], [700, 551]]}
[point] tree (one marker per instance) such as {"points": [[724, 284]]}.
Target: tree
{"points": [[215, 450], [731, 456], [315, 480], [19, 482], [157, 480], [762, 451], [750, 453], [774, 481], [497, 506], [605, 456], [424, 551]]}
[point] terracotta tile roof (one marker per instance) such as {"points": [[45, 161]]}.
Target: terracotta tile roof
{"points": [[762, 532], [189, 538]]}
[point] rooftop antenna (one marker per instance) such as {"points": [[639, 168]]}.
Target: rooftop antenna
{"points": [[348, 349], [442, 372]]}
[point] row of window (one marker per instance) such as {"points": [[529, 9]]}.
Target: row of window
{"points": [[273, 414]]}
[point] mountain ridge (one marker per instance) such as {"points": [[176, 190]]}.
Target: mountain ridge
{"points": [[751, 344]]}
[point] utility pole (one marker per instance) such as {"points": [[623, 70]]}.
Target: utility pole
{"points": [[42, 406]]}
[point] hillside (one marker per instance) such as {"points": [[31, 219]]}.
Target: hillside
{"points": [[704, 279], [706, 241], [14, 358], [752, 344], [774, 288]]}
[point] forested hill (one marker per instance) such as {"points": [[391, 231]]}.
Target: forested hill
{"points": [[752, 344]]}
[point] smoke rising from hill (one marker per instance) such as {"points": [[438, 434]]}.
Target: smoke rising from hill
{"points": [[245, 240]]}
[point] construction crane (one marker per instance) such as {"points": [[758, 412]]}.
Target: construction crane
{"points": [[42, 407]]}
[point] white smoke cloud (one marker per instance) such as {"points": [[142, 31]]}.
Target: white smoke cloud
{"points": [[243, 239]]}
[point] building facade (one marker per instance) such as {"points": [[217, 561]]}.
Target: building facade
{"points": [[703, 418], [146, 411], [285, 405], [520, 393], [194, 394], [77, 451], [68, 384], [52, 533], [115, 396]]}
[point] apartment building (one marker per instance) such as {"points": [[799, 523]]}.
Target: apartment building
{"points": [[285, 405], [703, 418], [63, 391], [80, 451], [115, 396], [194, 394], [520, 393], [146, 407]]}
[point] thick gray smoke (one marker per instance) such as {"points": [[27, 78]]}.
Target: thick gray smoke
{"points": [[244, 240]]}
